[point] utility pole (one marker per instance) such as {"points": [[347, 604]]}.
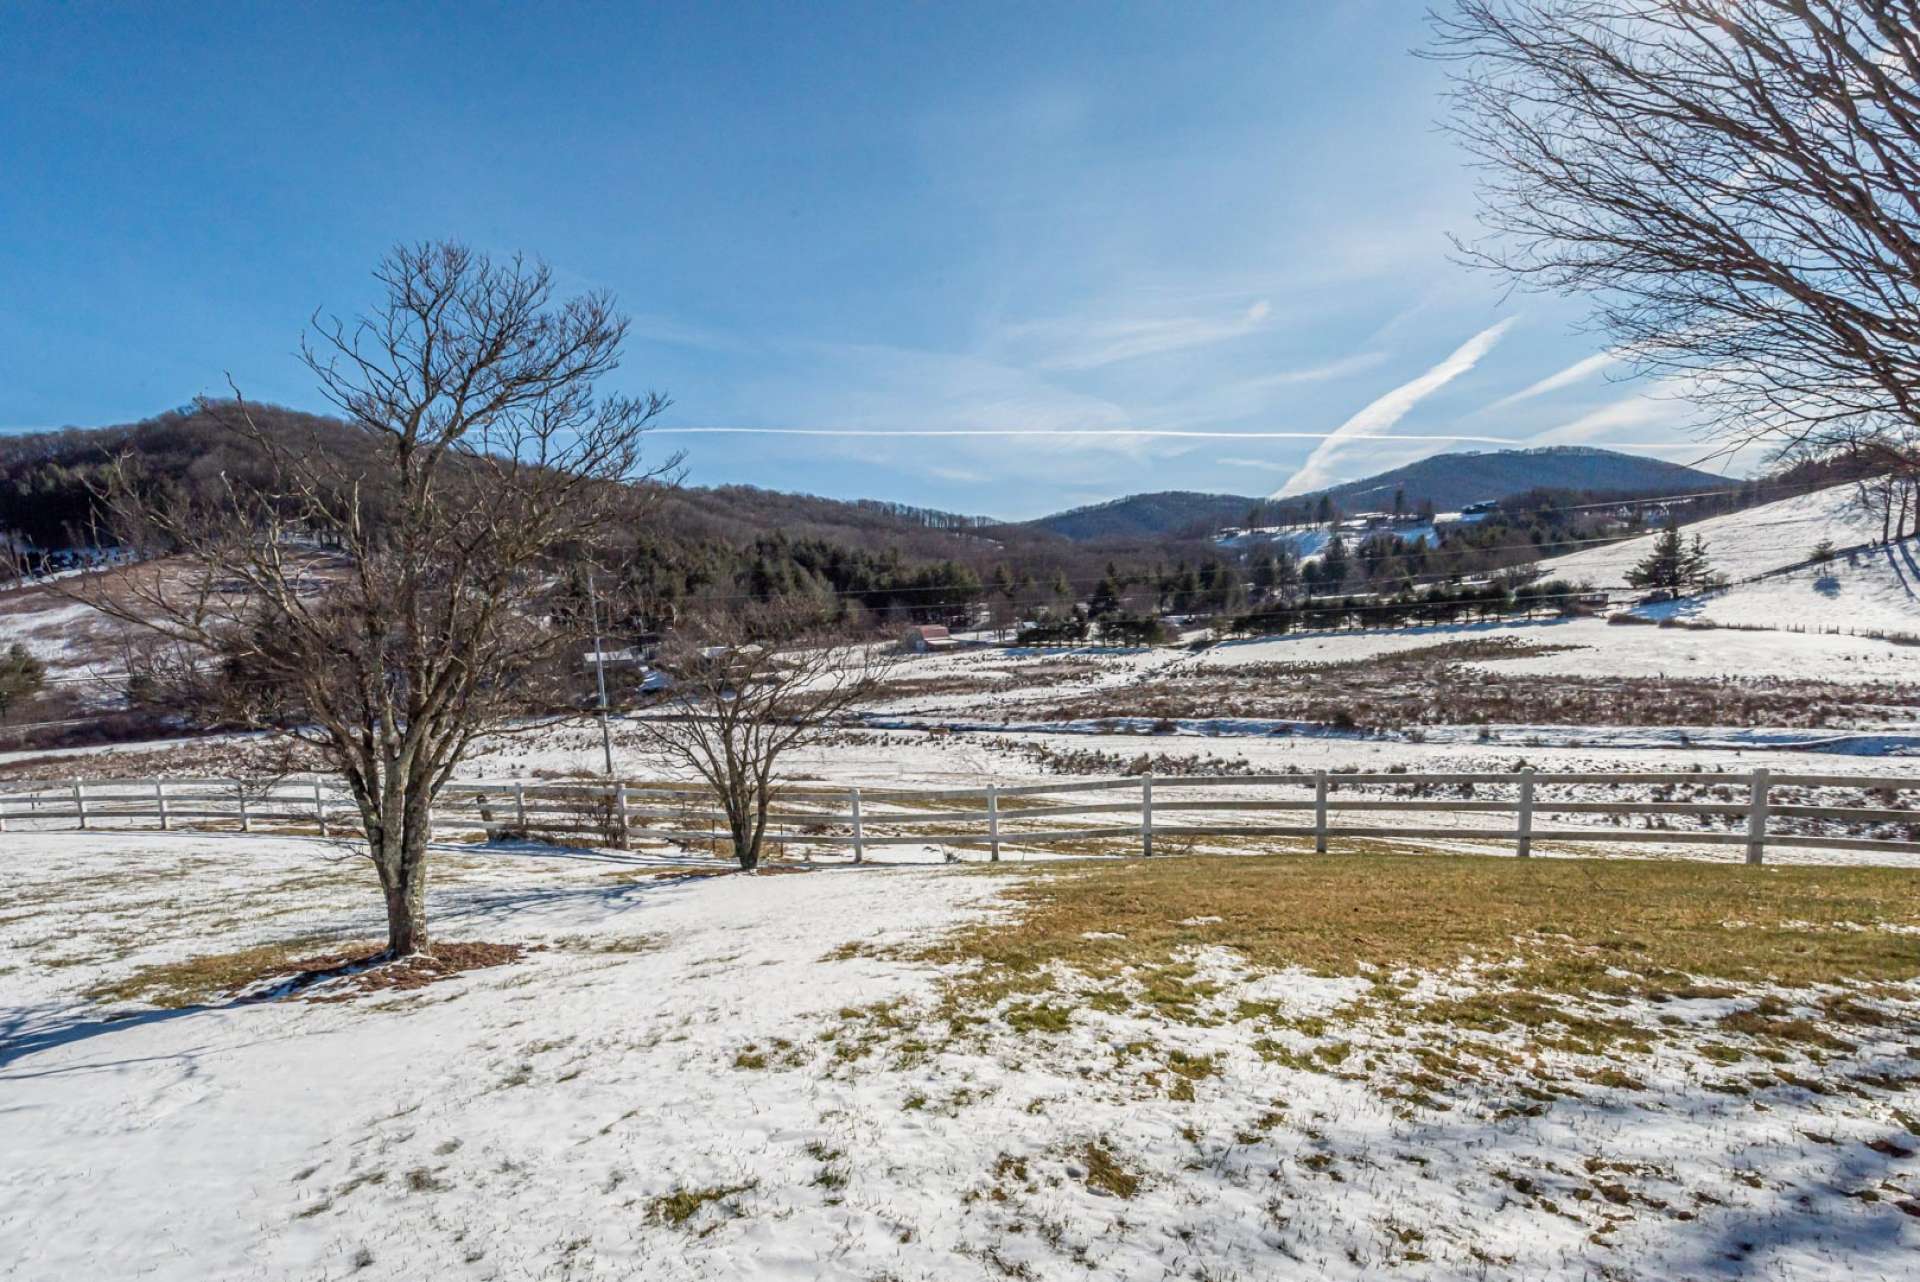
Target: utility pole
{"points": [[600, 674]]}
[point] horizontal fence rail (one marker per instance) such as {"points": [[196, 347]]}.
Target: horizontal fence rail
{"points": [[1160, 809]]}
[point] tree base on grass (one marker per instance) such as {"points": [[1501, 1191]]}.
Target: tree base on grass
{"points": [[352, 975]]}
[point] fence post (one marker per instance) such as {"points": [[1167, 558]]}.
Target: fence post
{"points": [[859, 836], [80, 801], [240, 791], [1146, 815], [993, 820], [626, 842], [1319, 812], [1757, 815], [160, 803], [319, 806], [520, 807], [1525, 824]]}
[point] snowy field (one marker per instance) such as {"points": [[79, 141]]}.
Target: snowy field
{"points": [[786, 1076], [1401, 1059], [1740, 544]]}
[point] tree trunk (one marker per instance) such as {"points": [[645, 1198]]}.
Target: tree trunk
{"points": [[746, 848], [746, 843], [407, 914], [400, 855]]}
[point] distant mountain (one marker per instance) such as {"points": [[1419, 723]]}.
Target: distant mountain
{"points": [[1449, 481], [1452, 481], [1148, 515]]}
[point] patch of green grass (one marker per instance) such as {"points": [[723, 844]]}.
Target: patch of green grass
{"points": [[1192, 1067], [1769, 1018], [674, 1209], [1105, 1171], [777, 1053], [1037, 1017], [618, 945]]}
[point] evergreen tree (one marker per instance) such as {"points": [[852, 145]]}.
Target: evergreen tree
{"points": [[1696, 570], [1668, 565], [1266, 572], [1333, 565], [21, 676], [1106, 596]]}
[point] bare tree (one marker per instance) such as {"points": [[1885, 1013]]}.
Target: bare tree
{"points": [[749, 688], [1735, 183], [388, 593]]}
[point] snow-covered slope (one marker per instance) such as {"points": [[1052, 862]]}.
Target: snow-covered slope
{"points": [[1877, 589], [1740, 544]]}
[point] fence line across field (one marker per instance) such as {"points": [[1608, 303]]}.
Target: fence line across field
{"points": [[992, 816]]}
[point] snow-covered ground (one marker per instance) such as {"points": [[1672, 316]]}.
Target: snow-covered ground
{"points": [[1877, 590], [1595, 648], [497, 1126], [70, 637], [1740, 544], [1611, 650], [722, 1078]]}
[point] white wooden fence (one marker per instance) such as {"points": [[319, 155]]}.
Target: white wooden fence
{"points": [[1130, 814]]}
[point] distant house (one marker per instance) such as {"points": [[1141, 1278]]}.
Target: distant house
{"points": [[615, 658], [927, 638]]}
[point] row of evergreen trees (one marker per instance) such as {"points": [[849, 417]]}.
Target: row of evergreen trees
{"points": [[1441, 603]]}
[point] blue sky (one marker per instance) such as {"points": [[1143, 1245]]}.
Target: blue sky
{"points": [[861, 220]]}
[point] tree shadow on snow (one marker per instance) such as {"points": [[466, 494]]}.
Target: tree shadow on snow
{"points": [[32, 1030], [1816, 1212]]}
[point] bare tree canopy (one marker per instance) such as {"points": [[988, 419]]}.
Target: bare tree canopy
{"points": [[393, 601], [749, 688], [1736, 183]]}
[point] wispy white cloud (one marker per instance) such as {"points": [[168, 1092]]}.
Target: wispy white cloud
{"points": [[1213, 401], [1380, 415], [1081, 343], [1577, 372], [1658, 407]]}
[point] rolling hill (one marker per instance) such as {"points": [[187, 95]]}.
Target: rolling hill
{"points": [[1446, 480]]}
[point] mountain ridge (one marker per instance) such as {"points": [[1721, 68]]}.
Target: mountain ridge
{"points": [[1448, 481]]}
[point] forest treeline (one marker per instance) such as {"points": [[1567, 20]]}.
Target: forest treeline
{"points": [[880, 562]]}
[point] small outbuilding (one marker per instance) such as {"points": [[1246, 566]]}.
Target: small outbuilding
{"points": [[927, 638]]}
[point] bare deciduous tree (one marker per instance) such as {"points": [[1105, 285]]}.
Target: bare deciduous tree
{"points": [[1736, 183], [750, 687], [388, 595]]}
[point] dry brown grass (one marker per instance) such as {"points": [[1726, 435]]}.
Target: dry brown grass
{"points": [[357, 967], [192, 980], [1576, 918], [1439, 685], [1558, 945]]}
